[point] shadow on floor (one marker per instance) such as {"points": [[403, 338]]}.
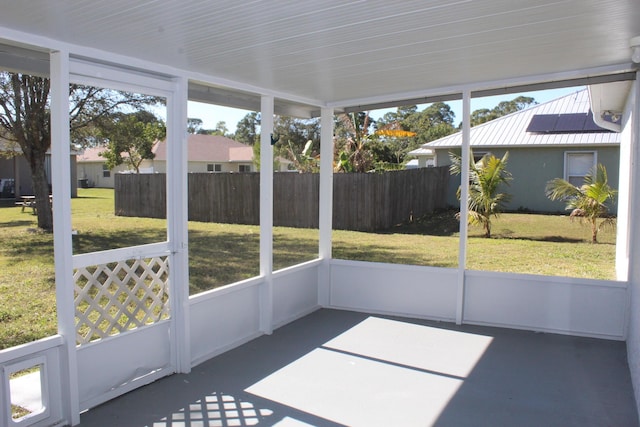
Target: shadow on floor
{"points": [[336, 368]]}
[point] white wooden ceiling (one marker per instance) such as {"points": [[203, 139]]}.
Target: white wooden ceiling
{"points": [[341, 52]]}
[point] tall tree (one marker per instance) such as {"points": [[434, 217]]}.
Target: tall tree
{"points": [[305, 160], [220, 129], [247, 129], [25, 118], [397, 116], [130, 140], [484, 115], [353, 142], [25, 105], [394, 136], [293, 135], [435, 121], [194, 125]]}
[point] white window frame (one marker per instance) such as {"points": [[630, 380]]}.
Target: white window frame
{"points": [[567, 155], [240, 167], [479, 155], [106, 172], [214, 167]]}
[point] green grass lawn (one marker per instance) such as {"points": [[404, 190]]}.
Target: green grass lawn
{"points": [[220, 254]]}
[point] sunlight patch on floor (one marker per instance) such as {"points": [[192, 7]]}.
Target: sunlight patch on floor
{"points": [[378, 373], [436, 350], [216, 411]]}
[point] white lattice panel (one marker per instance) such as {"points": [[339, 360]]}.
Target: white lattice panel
{"points": [[116, 297]]}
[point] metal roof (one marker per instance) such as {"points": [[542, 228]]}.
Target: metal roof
{"points": [[511, 130], [333, 53], [423, 151]]}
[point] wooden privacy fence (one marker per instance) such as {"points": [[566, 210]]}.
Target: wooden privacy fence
{"points": [[363, 202]]}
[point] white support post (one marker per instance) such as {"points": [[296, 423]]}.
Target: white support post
{"points": [[177, 224], [632, 235], [62, 243], [325, 213], [464, 203], [266, 214]]}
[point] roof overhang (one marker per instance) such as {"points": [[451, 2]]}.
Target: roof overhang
{"points": [[244, 100], [341, 54], [608, 103]]}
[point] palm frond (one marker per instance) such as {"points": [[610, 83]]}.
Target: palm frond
{"points": [[456, 163], [587, 202], [560, 189]]}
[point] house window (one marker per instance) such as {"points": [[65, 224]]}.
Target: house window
{"points": [[106, 173], [577, 165], [244, 168], [479, 155], [214, 167]]}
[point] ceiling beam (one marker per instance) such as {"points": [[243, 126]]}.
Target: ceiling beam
{"points": [[579, 78], [247, 101]]}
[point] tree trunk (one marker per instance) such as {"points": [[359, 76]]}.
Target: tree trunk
{"points": [[41, 191], [594, 231], [30, 128]]}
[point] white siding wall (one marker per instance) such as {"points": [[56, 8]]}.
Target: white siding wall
{"points": [[224, 318], [93, 172], [295, 292], [160, 166], [593, 308], [632, 135], [423, 292], [105, 371]]}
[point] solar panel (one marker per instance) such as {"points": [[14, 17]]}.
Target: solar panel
{"points": [[570, 122], [564, 123], [591, 126], [542, 123]]}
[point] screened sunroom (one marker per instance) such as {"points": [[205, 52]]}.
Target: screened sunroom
{"points": [[329, 341]]}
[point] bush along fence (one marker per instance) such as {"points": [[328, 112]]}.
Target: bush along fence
{"points": [[362, 202]]}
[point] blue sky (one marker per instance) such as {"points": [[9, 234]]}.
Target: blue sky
{"points": [[212, 114]]}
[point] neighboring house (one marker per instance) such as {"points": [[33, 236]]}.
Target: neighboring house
{"points": [[206, 153], [15, 169], [557, 139], [93, 170], [425, 158]]}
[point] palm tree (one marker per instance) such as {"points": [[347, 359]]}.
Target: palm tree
{"points": [[485, 178], [356, 155], [587, 201]]}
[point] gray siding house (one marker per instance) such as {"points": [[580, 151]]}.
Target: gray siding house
{"points": [[556, 139], [14, 168]]}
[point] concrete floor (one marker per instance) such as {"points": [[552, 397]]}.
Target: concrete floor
{"points": [[336, 368]]}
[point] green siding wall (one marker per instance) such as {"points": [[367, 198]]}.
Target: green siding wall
{"points": [[532, 168]]}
